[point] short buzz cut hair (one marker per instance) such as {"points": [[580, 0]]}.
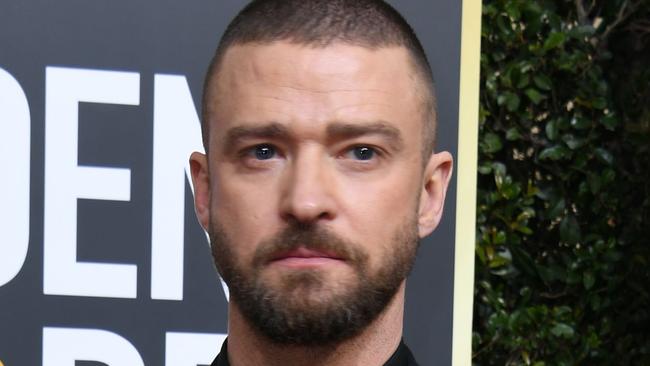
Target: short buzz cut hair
{"points": [[371, 24]]}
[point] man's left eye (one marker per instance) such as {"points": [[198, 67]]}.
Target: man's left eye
{"points": [[263, 152], [363, 153]]}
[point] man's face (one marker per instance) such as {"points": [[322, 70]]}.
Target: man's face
{"points": [[314, 191]]}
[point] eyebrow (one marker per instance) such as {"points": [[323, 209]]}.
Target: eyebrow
{"points": [[342, 131], [272, 130], [334, 131]]}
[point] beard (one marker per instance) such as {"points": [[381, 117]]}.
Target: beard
{"points": [[302, 307]]}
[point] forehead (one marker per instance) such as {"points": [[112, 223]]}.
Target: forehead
{"points": [[285, 82]]}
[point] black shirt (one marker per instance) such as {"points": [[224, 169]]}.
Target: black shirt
{"points": [[401, 357]]}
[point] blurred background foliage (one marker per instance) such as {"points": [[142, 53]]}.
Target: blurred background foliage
{"points": [[562, 256]]}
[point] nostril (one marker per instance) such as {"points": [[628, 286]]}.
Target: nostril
{"points": [[324, 215]]}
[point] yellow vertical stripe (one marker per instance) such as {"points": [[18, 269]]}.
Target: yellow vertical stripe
{"points": [[470, 55]]}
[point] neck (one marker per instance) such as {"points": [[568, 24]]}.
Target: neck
{"points": [[373, 346]]}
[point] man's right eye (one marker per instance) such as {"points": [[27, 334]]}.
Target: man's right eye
{"points": [[263, 152]]}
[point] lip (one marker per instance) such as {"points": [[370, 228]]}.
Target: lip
{"points": [[304, 257]]}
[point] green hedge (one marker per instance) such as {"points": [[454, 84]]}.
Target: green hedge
{"points": [[562, 255]]}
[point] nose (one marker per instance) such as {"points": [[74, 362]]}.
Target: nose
{"points": [[308, 191]]}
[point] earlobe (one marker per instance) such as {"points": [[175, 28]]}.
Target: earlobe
{"points": [[201, 184], [437, 175]]}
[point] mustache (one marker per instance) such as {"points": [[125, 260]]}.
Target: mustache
{"points": [[312, 237]]}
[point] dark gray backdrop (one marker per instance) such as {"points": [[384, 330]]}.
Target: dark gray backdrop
{"points": [[173, 37]]}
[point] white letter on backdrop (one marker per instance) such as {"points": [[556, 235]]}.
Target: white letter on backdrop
{"points": [[15, 133], [64, 346], [191, 349], [176, 134], [65, 182]]}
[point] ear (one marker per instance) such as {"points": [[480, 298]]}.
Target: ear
{"points": [[437, 174], [201, 184]]}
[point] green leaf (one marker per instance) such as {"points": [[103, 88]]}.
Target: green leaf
{"points": [[551, 129], [490, 83], [523, 82], [561, 310], [498, 56], [513, 10], [609, 121], [532, 9], [492, 143], [594, 183], [507, 189], [595, 302], [599, 103], [506, 78], [526, 213], [581, 123], [608, 176], [500, 259], [512, 134], [555, 152], [543, 82], [481, 254], [570, 230], [582, 31], [604, 156], [524, 262], [562, 330], [525, 66], [503, 24], [534, 95], [556, 208], [588, 280], [485, 169], [499, 238], [511, 100], [573, 142], [573, 277], [524, 229], [554, 40], [499, 168]]}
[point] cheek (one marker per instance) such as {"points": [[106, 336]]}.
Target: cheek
{"points": [[246, 213], [379, 208], [391, 194]]}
